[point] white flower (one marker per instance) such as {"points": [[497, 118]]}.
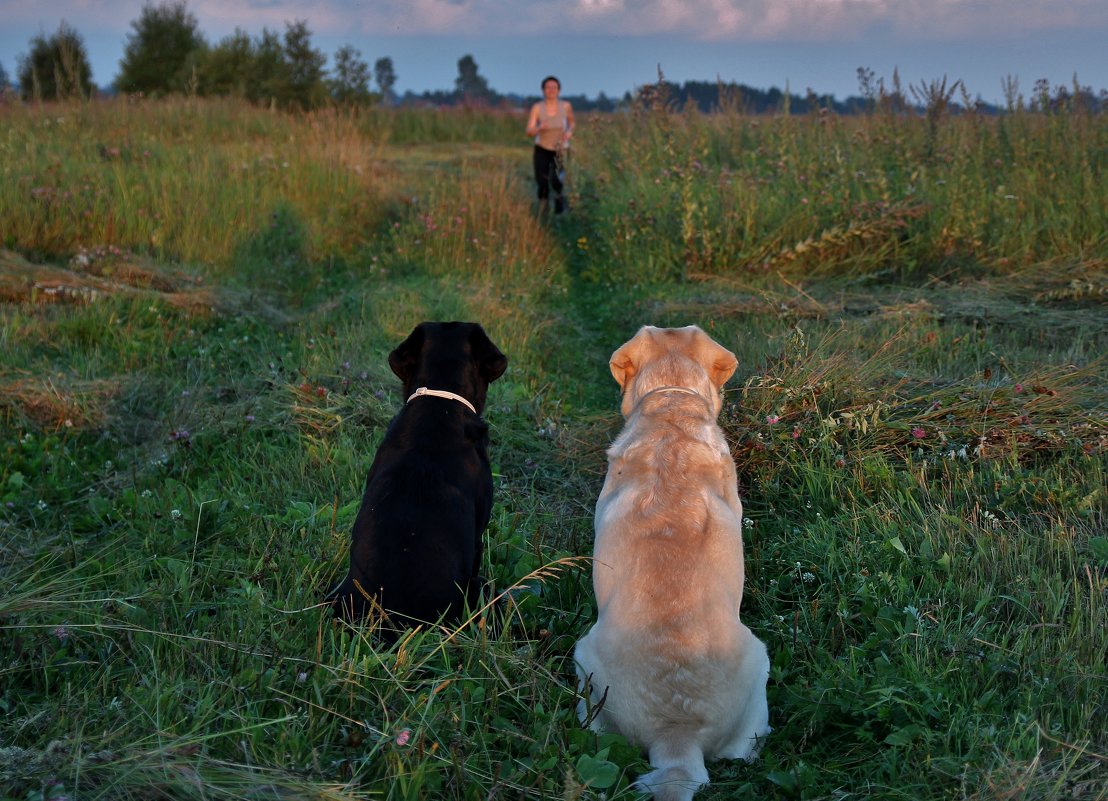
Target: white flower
{"points": [[176, 514]]}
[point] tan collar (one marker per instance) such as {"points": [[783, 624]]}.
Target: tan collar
{"points": [[441, 393]]}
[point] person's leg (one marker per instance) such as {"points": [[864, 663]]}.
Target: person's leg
{"points": [[542, 163], [556, 185]]}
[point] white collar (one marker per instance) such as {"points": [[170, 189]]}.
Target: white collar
{"points": [[686, 390], [441, 393]]}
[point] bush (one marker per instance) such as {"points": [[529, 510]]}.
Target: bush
{"points": [[161, 53], [57, 67]]}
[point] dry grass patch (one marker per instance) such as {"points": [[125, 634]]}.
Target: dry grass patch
{"points": [[93, 276], [60, 402]]}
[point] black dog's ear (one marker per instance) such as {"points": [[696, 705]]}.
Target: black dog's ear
{"points": [[491, 363], [403, 360]]}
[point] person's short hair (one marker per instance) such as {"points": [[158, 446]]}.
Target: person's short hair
{"points": [[550, 78]]}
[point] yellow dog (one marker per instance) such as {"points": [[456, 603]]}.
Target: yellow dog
{"points": [[668, 663]]}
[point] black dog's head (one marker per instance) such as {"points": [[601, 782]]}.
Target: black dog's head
{"points": [[456, 357]]}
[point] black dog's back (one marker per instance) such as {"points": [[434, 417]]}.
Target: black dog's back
{"points": [[417, 541]]}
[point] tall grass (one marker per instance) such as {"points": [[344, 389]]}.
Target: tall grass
{"points": [[686, 194], [919, 422], [186, 181]]}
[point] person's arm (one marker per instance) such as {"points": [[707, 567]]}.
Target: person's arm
{"points": [[571, 123], [534, 124]]}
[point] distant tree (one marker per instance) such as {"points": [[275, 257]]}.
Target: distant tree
{"points": [[4, 80], [386, 77], [163, 50], [304, 65], [350, 84], [269, 73], [57, 67], [227, 68], [470, 85]]}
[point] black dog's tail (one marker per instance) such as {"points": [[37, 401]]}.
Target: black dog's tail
{"points": [[349, 600]]}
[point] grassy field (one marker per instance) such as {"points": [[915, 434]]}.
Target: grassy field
{"points": [[196, 303]]}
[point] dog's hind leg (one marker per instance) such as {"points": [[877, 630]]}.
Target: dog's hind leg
{"points": [[752, 722]]}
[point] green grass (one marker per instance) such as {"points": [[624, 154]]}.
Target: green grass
{"points": [[194, 382]]}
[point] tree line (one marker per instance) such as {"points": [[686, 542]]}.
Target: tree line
{"points": [[165, 53]]}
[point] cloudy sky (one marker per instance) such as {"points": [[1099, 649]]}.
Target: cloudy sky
{"points": [[612, 46]]}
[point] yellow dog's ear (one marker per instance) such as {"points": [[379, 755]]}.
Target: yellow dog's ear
{"points": [[723, 367], [625, 362], [716, 359], [622, 365]]}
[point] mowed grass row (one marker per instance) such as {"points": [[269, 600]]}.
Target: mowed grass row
{"points": [[187, 419]]}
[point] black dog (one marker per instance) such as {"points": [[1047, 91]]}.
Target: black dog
{"points": [[417, 546]]}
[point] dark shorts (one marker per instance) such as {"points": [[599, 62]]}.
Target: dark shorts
{"points": [[546, 172]]}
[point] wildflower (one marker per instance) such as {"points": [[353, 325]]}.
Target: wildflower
{"points": [[176, 514], [180, 435], [249, 418], [1018, 388], [41, 505], [796, 433], [918, 433], [146, 493], [748, 522], [772, 418], [403, 737], [61, 632], [302, 677]]}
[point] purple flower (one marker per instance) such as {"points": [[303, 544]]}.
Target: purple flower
{"points": [[772, 418], [918, 433]]}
